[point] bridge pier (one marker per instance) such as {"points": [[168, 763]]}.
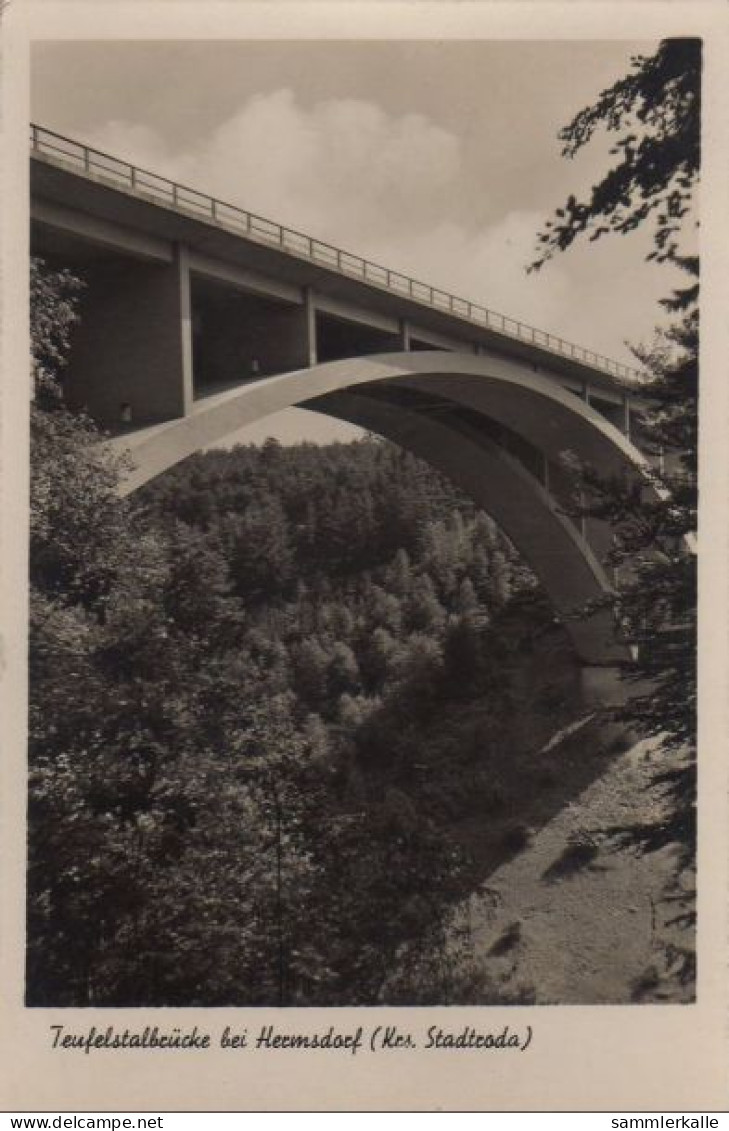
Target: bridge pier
{"points": [[132, 350]]}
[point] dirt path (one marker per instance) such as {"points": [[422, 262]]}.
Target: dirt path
{"points": [[570, 916]]}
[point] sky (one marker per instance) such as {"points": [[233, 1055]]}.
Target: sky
{"points": [[439, 159]]}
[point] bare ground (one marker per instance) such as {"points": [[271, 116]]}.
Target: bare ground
{"points": [[573, 919]]}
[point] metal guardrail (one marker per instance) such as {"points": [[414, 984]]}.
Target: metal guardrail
{"points": [[141, 182]]}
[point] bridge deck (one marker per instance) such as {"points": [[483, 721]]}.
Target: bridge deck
{"points": [[99, 167]]}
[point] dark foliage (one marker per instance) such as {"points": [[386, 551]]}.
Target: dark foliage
{"points": [[656, 110]]}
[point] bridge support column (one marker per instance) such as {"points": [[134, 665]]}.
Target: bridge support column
{"points": [[132, 350], [311, 348]]}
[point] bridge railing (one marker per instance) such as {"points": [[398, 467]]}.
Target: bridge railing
{"points": [[143, 183]]}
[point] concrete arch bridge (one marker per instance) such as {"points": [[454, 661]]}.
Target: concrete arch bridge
{"points": [[200, 318]]}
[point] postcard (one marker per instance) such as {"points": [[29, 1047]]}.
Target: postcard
{"points": [[364, 585]]}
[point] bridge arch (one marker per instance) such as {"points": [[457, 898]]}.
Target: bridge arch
{"points": [[458, 412]]}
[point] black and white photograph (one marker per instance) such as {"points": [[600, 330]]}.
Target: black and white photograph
{"points": [[363, 503]]}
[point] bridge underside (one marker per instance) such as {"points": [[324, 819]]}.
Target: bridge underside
{"points": [[494, 428]]}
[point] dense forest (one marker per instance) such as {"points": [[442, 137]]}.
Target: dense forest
{"points": [[272, 696]]}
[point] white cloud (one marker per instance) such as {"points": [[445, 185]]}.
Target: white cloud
{"points": [[343, 166]]}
